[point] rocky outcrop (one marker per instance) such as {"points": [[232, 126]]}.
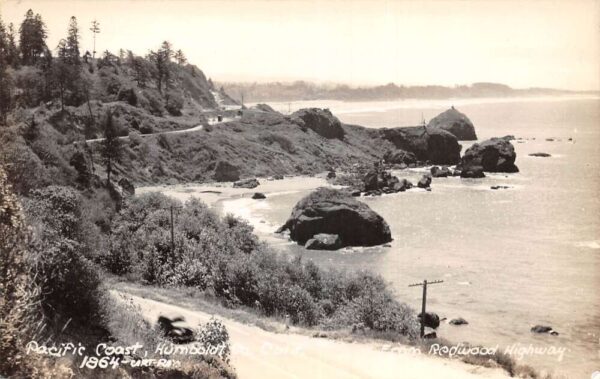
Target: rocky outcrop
{"points": [[226, 172], [442, 172], [432, 320], [258, 196], [544, 329], [247, 183], [493, 155], [321, 121], [324, 242], [332, 211], [472, 172], [432, 145], [399, 156], [425, 181], [456, 123]]}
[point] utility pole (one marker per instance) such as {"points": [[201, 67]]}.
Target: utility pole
{"points": [[95, 30], [171, 208], [424, 302]]}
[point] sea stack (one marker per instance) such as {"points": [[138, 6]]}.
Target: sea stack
{"points": [[333, 212], [456, 123]]}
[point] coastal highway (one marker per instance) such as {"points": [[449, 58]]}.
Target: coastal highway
{"points": [[188, 130], [260, 354]]}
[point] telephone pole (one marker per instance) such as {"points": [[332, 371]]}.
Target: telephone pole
{"points": [[424, 302]]}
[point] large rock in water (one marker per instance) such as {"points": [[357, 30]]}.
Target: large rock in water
{"points": [[493, 155], [456, 123], [321, 121], [226, 172], [247, 183], [329, 211], [434, 145]]}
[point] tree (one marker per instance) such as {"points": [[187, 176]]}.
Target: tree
{"points": [[32, 38], [162, 62], [111, 149], [12, 52], [6, 89], [180, 57], [72, 43], [63, 74], [95, 30]]}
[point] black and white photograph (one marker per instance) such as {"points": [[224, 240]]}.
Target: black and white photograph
{"points": [[300, 189]]}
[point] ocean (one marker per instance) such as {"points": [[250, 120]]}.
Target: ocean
{"points": [[510, 259]]}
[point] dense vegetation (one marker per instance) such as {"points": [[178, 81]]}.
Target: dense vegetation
{"points": [[225, 257]]}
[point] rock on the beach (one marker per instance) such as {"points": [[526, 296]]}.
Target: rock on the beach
{"points": [[474, 172], [399, 156], [442, 172], [432, 320], [456, 123], [321, 121], [403, 185], [542, 155], [425, 181], [247, 183], [332, 211], [499, 187], [544, 329], [458, 321], [324, 242], [493, 155], [226, 172], [278, 177], [331, 175], [434, 145], [258, 196]]}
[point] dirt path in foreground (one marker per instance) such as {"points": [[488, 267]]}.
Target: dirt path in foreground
{"points": [[259, 354]]}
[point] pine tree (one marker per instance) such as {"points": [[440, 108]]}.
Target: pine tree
{"points": [[72, 43], [32, 38], [95, 29], [180, 57], [12, 49], [162, 62], [111, 145]]}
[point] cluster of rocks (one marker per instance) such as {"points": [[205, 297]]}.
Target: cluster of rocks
{"points": [[247, 183], [493, 155], [331, 219], [378, 181]]}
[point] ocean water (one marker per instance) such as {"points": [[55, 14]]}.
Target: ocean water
{"points": [[509, 259]]}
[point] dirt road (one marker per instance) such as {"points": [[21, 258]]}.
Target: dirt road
{"points": [[259, 354]]}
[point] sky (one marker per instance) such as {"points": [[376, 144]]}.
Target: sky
{"points": [[527, 43]]}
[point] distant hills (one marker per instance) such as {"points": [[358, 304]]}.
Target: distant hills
{"points": [[302, 90]]}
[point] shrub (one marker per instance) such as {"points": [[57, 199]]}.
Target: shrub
{"points": [[213, 334]]}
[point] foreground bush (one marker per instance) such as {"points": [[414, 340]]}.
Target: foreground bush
{"points": [[224, 256]]}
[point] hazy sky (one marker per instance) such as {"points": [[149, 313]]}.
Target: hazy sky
{"points": [[521, 43]]}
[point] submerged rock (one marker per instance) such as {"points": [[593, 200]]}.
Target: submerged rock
{"points": [[456, 123], [324, 242], [458, 321], [321, 121], [247, 183], [544, 329], [493, 155], [331, 211], [542, 155], [258, 196]]}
